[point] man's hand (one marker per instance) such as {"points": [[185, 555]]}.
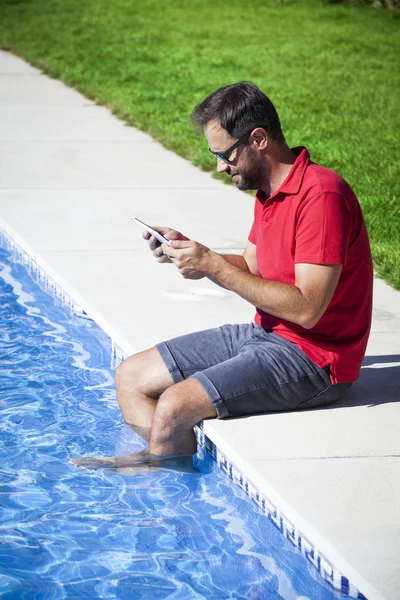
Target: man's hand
{"points": [[155, 246], [193, 260]]}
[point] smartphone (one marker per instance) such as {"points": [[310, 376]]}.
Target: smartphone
{"points": [[157, 235]]}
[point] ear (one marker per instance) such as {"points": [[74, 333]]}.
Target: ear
{"points": [[260, 137]]}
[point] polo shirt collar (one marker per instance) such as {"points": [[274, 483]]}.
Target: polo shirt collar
{"points": [[292, 183]]}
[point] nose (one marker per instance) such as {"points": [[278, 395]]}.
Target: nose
{"points": [[222, 166]]}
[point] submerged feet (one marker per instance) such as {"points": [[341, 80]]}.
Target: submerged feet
{"points": [[139, 462], [100, 462], [178, 464]]}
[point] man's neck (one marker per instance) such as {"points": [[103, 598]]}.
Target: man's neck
{"points": [[280, 163]]}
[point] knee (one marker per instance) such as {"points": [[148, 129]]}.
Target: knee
{"points": [[169, 408], [127, 372]]}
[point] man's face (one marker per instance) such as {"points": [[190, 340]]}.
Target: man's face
{"points": [[245, 167]]}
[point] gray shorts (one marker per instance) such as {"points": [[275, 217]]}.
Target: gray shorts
{"points": [[247, 370]]}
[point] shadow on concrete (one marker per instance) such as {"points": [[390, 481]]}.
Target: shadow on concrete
{"points": [[379, 383]]}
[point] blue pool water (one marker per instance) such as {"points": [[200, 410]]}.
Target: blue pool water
{"points": [[67, 533]]}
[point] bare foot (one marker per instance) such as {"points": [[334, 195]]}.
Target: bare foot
{"points": [[100, 462], [179, 464], [141, 462], [132, 471]]}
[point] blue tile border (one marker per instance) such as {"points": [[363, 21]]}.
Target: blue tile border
{"points": [[325, 568], [39, 274]]}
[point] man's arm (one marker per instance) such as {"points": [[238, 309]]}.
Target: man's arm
{"points": [[246, 261], [302, 303], [235, 259]]}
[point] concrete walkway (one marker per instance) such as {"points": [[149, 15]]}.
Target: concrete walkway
{"points": [[72, 176]]}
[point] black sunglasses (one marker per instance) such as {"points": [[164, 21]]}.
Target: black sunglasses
{"points": [[225, 155]]}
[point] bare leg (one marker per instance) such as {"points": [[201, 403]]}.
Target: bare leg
{"points": [[178, 410], [172, 440], [139, 380]]}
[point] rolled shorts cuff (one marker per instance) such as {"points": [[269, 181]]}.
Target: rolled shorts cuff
{"points": [[170, 362], [213, 394]]}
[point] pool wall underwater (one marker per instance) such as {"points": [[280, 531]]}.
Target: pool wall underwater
{"points": [[52, 284]]}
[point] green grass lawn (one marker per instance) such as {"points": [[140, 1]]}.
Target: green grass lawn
{"points": [[331, 70]]}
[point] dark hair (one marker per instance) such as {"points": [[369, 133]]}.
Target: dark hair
{"points": [[239, 108]]}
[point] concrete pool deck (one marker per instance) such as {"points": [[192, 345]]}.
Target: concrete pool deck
{"points": [[72, 176]]}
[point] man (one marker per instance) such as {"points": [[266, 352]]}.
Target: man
{"points": [[306, 268]]}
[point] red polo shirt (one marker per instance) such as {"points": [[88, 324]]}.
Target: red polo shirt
{"points": [[315, 217]]}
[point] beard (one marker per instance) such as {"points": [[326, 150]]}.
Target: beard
{"points": [[252, 175]]}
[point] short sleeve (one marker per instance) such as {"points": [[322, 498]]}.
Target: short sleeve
{"points": [[323, 230], [252, 235], [256, 222]]}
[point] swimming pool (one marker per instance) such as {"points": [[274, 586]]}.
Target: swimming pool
{"points": [[67, 533]]}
